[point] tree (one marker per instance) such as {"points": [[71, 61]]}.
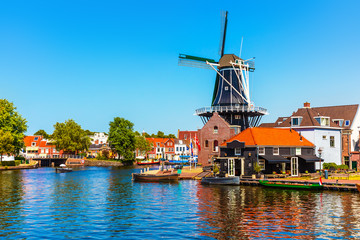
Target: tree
{"points": [[122, 138], [42, 133], [160, 134], [6, 143], [142, 144], [171, 136], [12, 122], [70, 137]]}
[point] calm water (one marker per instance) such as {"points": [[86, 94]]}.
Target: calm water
{"points": [[100, 203]]}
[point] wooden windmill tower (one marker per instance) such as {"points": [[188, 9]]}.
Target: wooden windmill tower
{"points": [[231, 97]]}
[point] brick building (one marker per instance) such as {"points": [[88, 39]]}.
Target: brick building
{"points": [[211, 135]]}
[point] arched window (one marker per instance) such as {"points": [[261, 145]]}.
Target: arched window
{"points": [[216, 130], [216, 144], [206, 143]]}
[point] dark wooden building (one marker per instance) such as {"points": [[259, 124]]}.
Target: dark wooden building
{"points": [[274, 150]]}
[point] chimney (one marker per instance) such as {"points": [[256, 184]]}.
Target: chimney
{"points": [[306, 105]]}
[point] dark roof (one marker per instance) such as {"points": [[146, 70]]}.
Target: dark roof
{"points": [[226, 59], [308, 118], [267, 125], [345, 112]]}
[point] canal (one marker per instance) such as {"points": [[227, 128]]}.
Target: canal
{"points": [[102, 203]]}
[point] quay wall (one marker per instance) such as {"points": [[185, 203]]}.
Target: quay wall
{"points": [[102, 163]]}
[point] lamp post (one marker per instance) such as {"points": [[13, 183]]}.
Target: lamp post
{"points": [[320, 151]]}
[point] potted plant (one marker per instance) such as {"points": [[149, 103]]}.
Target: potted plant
{"points": [[257, 169]]}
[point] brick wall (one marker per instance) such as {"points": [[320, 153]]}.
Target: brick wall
{"points": [[223, 133]]}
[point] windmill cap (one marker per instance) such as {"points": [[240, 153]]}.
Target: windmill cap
{"points": [[226, 59]]}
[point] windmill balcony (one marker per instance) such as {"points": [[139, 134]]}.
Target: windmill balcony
{"points": [[231, 108]]}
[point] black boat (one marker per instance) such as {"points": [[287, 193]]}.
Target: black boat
{"points": [[234, 180]]}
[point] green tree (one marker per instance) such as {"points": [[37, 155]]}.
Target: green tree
{"points": [[122, 138], [171, 136], [160, 134], [142, 144], [42, 133], [6, 143], [70, 137], [11, 121]]}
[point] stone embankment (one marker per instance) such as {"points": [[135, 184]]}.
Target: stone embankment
{"points": [[27, 166], [102, 163]]}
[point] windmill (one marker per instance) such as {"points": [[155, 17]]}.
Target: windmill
{"points": [[231, 97]]}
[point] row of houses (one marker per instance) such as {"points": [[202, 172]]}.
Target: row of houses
{"points": [[330, 133]]}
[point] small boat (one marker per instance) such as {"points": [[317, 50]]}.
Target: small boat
{"points": [[147, 161], [235, 180], [63, 169], [294, 185], [160, 176], [358, 187]]}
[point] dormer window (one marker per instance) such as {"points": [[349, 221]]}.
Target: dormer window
{"points": [[347, 123], [295, 121], [33, 144], [323, 121], [339, 122], [36, 138]]}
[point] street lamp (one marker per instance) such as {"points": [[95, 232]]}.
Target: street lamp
{"points": [[320, 151]]}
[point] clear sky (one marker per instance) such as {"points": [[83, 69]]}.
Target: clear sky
{"points": [[95, 60]]}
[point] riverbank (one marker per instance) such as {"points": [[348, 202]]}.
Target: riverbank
{"points": [[20, 167], [103, 163]]}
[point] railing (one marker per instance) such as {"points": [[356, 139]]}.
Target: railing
{"points": [[231, 108]]}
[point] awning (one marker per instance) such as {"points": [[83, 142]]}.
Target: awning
{"points": [[274, 159], [310, 158]]}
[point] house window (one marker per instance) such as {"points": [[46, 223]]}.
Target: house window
{"points": [[206, 143], [33, 144], [237, 151], [158, 144], [292, 151], [323, 121], [216, 146], [324, 137], [339, 122], [261, 151], [237, 116], [36, 138], [298, 151], [332, 141], [262, 164], [276, 151], [296, 121], [226, 88], [347, 123], [216, 130], [177, 149]]}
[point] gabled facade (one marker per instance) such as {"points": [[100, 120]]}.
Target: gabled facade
{"points": [[38, 147], [211, 135], [98, 138], [273, 149]]}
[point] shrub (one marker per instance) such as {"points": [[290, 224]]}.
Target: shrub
{"points": [[17, 162], [330, 165], [20, 158], [8, 163]]}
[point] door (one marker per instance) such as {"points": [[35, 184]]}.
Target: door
{"points": [[294, 166], [231, 167], [242, 166]]}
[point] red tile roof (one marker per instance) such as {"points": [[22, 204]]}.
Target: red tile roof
{"points": [[30, 139], [270, 137]]}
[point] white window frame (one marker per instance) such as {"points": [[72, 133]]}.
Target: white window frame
{"points": [[262, 164], [299, 121], [33, 144], [261, 150], [333, 141], [298, 151], [324, 137], [226, 88], [347, 123], [237, 151], [276, 153]]}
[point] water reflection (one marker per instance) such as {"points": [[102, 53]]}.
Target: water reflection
{"points": [[11, 192], [104, 203], [256, 212]]}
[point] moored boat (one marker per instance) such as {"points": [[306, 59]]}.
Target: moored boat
{"points": [[234, 180], [160, 176], [358, 187], [63, 169], [147, 161], [294, 185]]}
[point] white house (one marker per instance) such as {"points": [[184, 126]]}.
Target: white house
{"points": [[99, 138]]}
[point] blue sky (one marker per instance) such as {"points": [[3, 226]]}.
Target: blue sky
{"points": [[95, 60]]}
